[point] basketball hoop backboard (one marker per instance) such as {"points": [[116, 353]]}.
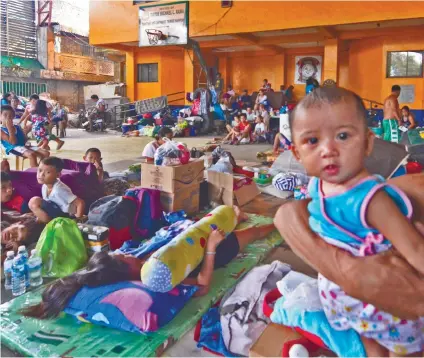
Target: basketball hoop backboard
{"points": [[162, 25]]}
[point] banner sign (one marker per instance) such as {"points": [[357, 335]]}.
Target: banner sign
{"points": [[162, 25]]}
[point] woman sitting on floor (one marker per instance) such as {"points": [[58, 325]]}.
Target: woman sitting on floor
{"points": [[103, 269]]}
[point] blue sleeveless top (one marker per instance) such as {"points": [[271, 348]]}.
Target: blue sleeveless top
{"points": [[342, 217], [20, 136]]}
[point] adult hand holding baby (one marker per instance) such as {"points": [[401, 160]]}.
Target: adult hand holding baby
{"points": [[386, 281]]}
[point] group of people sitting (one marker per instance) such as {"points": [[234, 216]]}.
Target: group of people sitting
{"points": [[57, 200], [38, 118]]}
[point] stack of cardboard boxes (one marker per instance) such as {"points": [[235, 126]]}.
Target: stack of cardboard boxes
{"points": [[96, 238], [179, 185]]}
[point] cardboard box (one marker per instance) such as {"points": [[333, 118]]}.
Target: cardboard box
{"points": [[222, 185], [270, 343], [172, 179], [186, 199]]}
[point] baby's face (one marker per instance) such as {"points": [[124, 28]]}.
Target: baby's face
{"points": [[6, 191], [331, 141]]}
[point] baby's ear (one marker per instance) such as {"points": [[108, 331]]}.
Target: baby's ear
{"points": [[295, 153], [369, 142]]}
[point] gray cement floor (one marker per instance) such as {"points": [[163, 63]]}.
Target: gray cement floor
{"points": [[118, 153]]}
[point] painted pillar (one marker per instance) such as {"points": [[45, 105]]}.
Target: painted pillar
{"points": [[131, 78], [188, 72], [330, 60]]}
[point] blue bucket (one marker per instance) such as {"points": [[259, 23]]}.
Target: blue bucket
{"points": [[126, 128]]}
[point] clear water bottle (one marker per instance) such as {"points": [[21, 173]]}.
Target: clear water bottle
{"points": [[18, 276], [24, 253], [7, 268], [34, 269]]}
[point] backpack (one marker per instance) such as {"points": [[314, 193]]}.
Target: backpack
{"points": [[61, 248], [149, 214], [117, 213]]}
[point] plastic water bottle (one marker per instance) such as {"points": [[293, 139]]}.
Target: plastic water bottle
{"points": [[18, 276], [7, 267], [24, 253], [34, 269]]}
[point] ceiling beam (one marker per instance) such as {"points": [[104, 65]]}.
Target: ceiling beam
{"points": [[328, 32], [276, 40], [360, 34], [254, 40], [223, 43]]}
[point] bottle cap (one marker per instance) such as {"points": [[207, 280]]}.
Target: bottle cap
{"points": [[21, 248], [33, 252], [10, 254]]}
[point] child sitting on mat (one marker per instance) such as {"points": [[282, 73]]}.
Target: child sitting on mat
{"points": [[58, 199], [356, 211]]}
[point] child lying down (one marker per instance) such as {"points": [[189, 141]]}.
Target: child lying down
{"points": [[103, 268]]}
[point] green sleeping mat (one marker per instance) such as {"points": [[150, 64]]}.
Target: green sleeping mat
{"points": [[67, 337]]}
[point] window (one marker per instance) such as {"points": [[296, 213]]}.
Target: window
{"points": [[147, 72], [405, 64]]}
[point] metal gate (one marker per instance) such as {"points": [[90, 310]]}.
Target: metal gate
{"points": [[24, 89], [18, 30]]}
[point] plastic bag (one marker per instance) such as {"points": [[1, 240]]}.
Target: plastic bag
{"points": [[61, 248], [300, 292], [172, 153], [223, 165]]}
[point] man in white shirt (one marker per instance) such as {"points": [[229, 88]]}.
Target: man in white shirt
{"points": [[250, 115], [98, 111]]}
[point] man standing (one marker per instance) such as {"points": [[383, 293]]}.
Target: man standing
{"points": [[391, 119]]}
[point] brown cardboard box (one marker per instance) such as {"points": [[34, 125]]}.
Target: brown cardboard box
{"points": [[270, 343], [221, 181], [173, 178], [186, 199]]}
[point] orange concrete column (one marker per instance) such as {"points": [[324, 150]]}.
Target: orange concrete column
{"points": [[330, 70], [188, 72], [131, 78]]}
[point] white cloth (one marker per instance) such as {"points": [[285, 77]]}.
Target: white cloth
{"points": [[242, 317], [150, 149], [100, 102], [61, 195], [260, 129]]}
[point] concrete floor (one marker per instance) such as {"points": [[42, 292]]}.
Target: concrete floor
{"points": [[119, 152]]}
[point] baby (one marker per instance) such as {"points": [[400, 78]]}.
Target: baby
{"points": [[355, 211], [58, 199]]}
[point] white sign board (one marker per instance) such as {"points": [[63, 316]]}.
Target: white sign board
{"points": [[407, 94], [307, 66], [162, 25]]}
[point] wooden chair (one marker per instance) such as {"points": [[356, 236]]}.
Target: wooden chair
{"points": [[19, 161]]}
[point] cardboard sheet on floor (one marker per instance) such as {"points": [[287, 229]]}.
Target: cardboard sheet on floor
{"points": [[65, 336]]}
